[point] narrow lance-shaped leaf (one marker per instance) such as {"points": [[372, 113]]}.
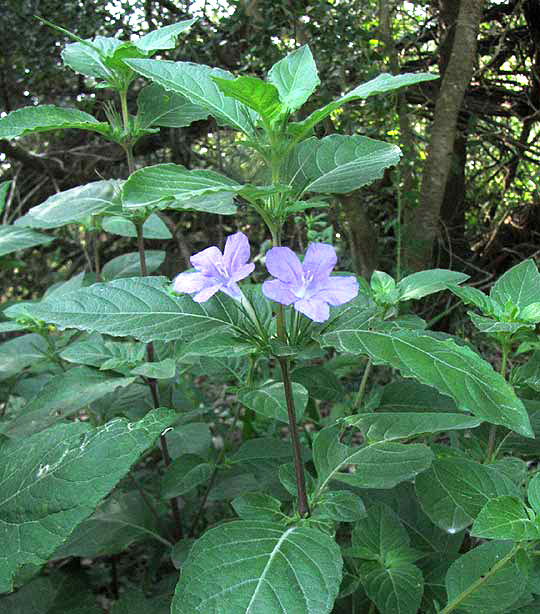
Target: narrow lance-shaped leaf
{"points": [[339, 164], [142, 308], [73, 205], [47, 117], [163, 38], [194, 81], [295, 569], [171, 184], [452, 369], [380, 85], [13, 239], [295, 77], [52, 481]]}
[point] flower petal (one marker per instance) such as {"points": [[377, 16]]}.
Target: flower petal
{"points": [[206, 261], [314, 309], [236, 252], [207, 293], [190, 282], [243, 271], [276, 290], [284, 264], [337, 290], [232, 290], [319, 261]]}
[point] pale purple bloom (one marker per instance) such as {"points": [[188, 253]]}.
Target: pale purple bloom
{"points": [[308, 285], [217, 271]]}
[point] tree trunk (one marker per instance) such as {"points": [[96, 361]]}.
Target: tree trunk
{"points": [[422, 227], [362, 235]]}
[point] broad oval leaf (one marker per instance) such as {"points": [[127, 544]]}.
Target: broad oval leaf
{"points": [[395, 589], [153, 228], [194, 81], [183, 475], [490, 577], [520, 285], [295, 77], [505, 517], [129, 265], [454, 490], [255, 93], [269, 400], [452, 369], [80, 465], [47, 117], [158, 107], [140, 307], [295, 569], [20, 352], [13, 239], [73, 205], [89, 57], [339, 164], [171, 184], [533, 493]]}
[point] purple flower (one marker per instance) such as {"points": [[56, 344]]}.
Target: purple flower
{"points": [[308, 285], [217, 271]]}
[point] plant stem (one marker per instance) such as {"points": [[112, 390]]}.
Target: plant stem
{"points": [[303, 506], [152, 383], [97, 261], [462, 596], [219, 460], [362, 390], [493, 428]]}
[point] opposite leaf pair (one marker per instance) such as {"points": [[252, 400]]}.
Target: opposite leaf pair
{"points": [[307, 285]]}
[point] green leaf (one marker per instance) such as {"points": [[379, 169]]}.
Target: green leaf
{"points": [[269, 400], [473, 296], [172, 184], [257, 506], [486, 591], [4, 191], [47, 117], [454, 490], [140, 307], [293, 569], [20, 352], [394, 584], [381, 426], [61, 397], [320, 382], [120, 521], [489, 325], [73, 205], [164, 369], [89, 57], [153, 228], [505, 517], [13, 239], [520, 285], [295, 77], [533, 493], [395, 589], [194, 81], [452, 369], [378, 465], [158, 107], [338, 164], [263, 449], [341, 506], [183, 475], [193, 438], [215, 343], [57, 593], [258, 95], [163, 38], [136, 602], [380, 85], [129, 265], [52, 481], [411, 396], [421, 284], [92, 351]]}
